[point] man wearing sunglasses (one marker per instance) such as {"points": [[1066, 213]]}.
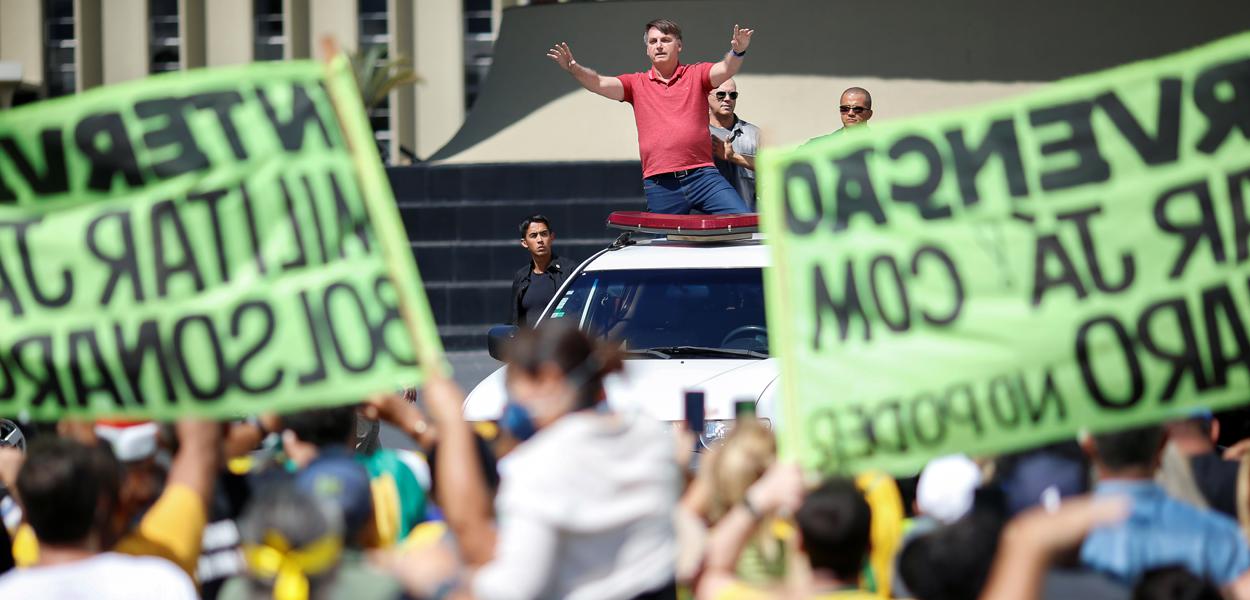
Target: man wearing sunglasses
{"points": [[855, 108], [670, 112], [734, 141]]}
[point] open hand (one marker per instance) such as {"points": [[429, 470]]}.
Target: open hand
{"points": [[740, 41], [562, 56]]}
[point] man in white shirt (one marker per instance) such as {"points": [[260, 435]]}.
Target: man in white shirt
{"points": [[67, 491]]}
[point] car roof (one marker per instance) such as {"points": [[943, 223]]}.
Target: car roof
{"points": [[662, 253]]}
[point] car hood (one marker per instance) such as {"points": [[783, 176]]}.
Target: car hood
{"points": [[657, 388]]}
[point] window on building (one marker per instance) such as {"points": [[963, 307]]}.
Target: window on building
{"points": [[374, 31], [59, 44], [165, 41], [479, 44], [267, 23]]}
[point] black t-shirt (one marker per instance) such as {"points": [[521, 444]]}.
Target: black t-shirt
{"points": [[541, 290], [1217, 480]]}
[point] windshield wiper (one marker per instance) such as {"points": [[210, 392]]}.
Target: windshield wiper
{"points": [[670, 351], [649, 352]]}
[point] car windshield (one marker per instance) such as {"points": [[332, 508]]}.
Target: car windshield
{"points": [[694, 313]]}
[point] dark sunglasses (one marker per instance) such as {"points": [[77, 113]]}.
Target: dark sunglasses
{"points": [[721, 95], [855, 109]]}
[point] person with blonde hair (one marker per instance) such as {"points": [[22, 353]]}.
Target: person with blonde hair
{"points": [[726, 475]]}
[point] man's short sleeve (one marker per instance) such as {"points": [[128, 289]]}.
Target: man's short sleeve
{"points": [[627, 82], [1227, 554], [172, 529], [704, 70]]}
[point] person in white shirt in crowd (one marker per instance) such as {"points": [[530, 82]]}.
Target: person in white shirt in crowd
{"points": [[587, 501], [68, 491]]}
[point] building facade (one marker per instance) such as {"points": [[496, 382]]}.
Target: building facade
{"points": [[50, 48]]}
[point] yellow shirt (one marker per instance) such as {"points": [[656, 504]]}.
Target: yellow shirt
{"points": [[882, 495], [171, 529], [742, 591]]}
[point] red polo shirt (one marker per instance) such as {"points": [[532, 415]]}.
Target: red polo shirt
{"points": [[671, 118]]}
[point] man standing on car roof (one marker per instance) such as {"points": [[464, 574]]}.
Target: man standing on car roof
{"points": [[535, 284], [734, 141], [670, 109]]}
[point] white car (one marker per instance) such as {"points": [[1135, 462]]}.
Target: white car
{"points": [[688, 308]]}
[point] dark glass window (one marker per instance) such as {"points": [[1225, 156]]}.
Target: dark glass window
{"points": [[479, 47], [59, 66], [267, 22], [163, 30], [374, 31], [657, 308]]}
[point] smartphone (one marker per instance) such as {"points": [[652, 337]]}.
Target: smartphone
{"points": [[694, 412], [744, 409]]}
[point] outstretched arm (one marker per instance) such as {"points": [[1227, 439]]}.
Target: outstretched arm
{"points": [[728, 67], [608, 87]]}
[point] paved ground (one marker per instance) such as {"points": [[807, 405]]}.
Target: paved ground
{"points": [[469, 368]]}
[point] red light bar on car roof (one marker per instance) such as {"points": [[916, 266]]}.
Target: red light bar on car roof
{"points": [[685, 225]]}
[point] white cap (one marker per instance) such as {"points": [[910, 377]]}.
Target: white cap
{"points": [[130, 441], [947, 486]]}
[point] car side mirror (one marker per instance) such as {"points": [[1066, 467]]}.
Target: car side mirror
{"points": [[497, 338]]}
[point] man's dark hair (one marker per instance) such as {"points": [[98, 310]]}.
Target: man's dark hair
{"points": [[953, 562], [334, 426], [582, 359], [530, 220], [1129, 448], [665, 26], [835, 522], [1174, 583], [67, 489]]}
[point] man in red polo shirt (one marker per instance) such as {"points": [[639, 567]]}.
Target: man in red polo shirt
{"points": [[670, 109]]}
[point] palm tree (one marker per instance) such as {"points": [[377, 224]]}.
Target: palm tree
{"points": [[377, 75]]}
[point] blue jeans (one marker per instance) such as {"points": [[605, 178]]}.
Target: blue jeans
{"points": [[703, 189]]}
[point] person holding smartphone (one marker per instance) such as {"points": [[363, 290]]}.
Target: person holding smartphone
{"points": [[734, 141]]}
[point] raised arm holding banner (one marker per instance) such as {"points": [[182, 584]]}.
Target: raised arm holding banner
{"points": [[1002, 277], [216, 242]]}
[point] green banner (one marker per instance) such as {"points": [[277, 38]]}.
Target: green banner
{"points": [[216, 242], [1007, 275]]}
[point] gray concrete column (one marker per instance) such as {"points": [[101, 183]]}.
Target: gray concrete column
{"points": [[88, 49], [125, 34], [21, 37], [191, 33], [439, 60], [295, 29], [403, 100], [337, 18], [230, 32]]}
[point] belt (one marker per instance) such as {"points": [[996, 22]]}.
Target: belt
{"points": [[679, 174]]}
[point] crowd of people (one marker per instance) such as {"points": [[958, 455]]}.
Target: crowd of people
{"points": [[564, 498]]}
